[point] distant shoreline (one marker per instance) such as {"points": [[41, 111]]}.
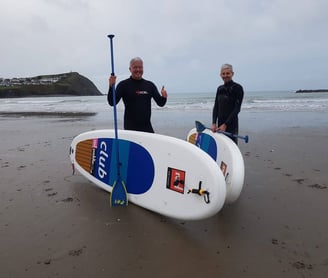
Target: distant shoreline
{"points": [[49, 114], [65, 84], [313, 91]]}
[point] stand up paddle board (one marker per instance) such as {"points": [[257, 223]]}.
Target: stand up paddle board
{"points": [[226, 154], [161, 173]]}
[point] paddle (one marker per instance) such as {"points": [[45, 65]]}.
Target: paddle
{"points": [[200, 128], [119, 194]]}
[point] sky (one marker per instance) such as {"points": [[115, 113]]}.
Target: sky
{"points": [[272, 45]]}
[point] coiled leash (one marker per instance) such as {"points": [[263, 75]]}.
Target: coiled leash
{"points": [[201, 192]]}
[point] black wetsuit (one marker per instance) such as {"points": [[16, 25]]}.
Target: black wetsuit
{"points": [[227, 106], [137, 95]]}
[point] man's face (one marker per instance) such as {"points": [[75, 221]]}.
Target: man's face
{"points": [[136, 70], [226, 75]]}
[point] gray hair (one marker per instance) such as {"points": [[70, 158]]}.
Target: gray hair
{"points": [[226, 66], [135, 59]]}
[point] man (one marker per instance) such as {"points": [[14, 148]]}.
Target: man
{"points": [[137, 94], [228, 100]]}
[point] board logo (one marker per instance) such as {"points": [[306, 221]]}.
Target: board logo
{"points": [[223, 168], [175, 180], [102, 160], [99, 159], [93, 155]]}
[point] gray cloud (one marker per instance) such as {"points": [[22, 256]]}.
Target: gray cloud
{"points": [[273, 45]]}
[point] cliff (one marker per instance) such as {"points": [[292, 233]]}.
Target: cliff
{"points": [[66, 84]]}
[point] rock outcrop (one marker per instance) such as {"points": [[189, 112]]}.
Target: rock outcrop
{"points": [[66, 84]]}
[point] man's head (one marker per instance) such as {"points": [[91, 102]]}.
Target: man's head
{"points": [[226, 72], [136, 68]]}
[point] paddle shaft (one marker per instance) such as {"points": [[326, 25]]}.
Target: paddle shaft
{"points": [[200, 127], [114, 105], [245, 138]]}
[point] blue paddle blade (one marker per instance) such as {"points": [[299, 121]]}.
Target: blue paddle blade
{"points": [[199, 127], [119, 196]]}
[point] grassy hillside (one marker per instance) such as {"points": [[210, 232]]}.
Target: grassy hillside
{"points": [[66, 84]]}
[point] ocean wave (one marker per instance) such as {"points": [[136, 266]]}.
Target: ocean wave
{"points": [[256, 102]]}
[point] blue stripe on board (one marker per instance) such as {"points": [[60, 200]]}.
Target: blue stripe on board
{"points": [[124, 150], [124, 147], [137, 168], [207, 143], [141, 170], [113, 163]]}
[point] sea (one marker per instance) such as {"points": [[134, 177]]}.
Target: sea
{"points": [[278, 107], [254, 101]]}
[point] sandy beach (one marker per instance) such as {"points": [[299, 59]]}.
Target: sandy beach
{"points": [[55, 224]]}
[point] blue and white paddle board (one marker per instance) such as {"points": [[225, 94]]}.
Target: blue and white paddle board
{"points": [[164, 174], [226, 154]]}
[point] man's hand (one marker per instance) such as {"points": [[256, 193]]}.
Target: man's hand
{"points": [[112, 80], [163, 92]]}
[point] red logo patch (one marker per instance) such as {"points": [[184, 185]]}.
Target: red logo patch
{"points": [[175, 180]]}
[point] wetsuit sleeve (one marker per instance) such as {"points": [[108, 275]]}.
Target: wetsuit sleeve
{"points": [[159, 99], [239, 94], [215, 108], [118, 95]]}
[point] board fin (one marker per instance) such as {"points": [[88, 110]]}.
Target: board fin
{"points": [[119, 195]]}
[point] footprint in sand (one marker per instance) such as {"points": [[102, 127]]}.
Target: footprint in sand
{"points": [[76, 252], [299, 181], [5, 165], [52, 194], [301, 265], [68, 199], [318, 186]]}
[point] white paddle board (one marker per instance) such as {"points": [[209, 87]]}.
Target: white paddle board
{"points": [[161, 173], [228, 157]]}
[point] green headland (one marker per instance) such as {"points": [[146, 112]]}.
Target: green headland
{"points": [[65, 84]]}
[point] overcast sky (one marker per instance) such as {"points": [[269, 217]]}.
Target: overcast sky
{"points": [[272, 44]]}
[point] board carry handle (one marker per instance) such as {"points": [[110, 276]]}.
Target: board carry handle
{"points": [[201, 192], [200, 128]]}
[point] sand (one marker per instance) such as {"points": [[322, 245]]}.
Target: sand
{"points": [[55, 224]]}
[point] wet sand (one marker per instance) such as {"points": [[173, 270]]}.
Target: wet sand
{"points": [[55, 224]]}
